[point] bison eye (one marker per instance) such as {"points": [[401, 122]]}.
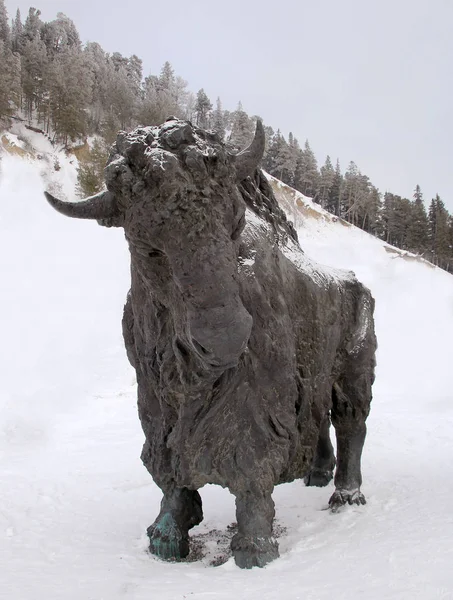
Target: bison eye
{"points": [[154, 253]]}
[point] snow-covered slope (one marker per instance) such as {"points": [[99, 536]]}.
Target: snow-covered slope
{"points": [[57, 168], [75, 499], [414, 299]]}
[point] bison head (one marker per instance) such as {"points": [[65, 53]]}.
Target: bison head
{"points": [[174, 189]]}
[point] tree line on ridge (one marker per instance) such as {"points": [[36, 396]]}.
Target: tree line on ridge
{"points": [[73, 91]]}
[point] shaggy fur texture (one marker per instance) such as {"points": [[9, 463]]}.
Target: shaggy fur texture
{"points": [[242, 346]]}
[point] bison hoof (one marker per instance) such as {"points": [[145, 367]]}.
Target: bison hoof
{"points": [[318, 478], [341, 497], [253, 552], [166, 539]]}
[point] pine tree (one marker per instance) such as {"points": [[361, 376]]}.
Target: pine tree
{"points": [[119, 61], [372, 216], [450, 241], [417, 235], [122, 100], [60, 34], [242, 128], [167, 76], [275, 141], [334, 197], [130, 69], [96, 62], [279, 160], [439, 232], [5, 32], [90, 175], [269, 135], [418, 196], [15, 90], [35, 76], [299, 171], [68, 28], [180, 97], [306, 174], [218, 120], [152, 111], [443, 237], [387, 217], [326, 182], [9, 83], [286, 160], [17, 34], [134, 70], [159, 102], [32, 26], [9, 71], [189, 106], [350, 192], [432, 218], [203, 108], [70, 92], [360, 200], [294, 153], [401, 218]]}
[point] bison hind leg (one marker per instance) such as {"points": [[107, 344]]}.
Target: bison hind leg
{"points": [[342, 497], [321, 472], [351, 404], [169, 534], [318, 477]]}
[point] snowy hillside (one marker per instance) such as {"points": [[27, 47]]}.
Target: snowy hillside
{"points": [[75, 499], [57, 168]]}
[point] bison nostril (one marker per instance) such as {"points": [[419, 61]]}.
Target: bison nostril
{"points": [[182, 349]]}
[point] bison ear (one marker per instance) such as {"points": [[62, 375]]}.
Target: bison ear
{"points": [[249, 159], [99, 207]]}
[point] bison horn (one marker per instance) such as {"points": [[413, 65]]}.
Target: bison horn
{"points": [[249, 159], [101, 206]]}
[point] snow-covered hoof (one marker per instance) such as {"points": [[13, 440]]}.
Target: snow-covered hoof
{"points": [[341, 497], [253, 552], [166, 539], [318, 478]]}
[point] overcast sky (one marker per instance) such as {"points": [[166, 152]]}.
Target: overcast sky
{"points": [[363, 80]]}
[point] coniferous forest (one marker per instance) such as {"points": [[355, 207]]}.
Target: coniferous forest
{"points": [[72, 91]]}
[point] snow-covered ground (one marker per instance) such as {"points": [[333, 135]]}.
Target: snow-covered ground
{"points": [[75, 500]]}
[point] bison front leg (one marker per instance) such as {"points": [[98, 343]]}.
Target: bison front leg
{"points": [[169, 534], [351, 405], [253, 545]]}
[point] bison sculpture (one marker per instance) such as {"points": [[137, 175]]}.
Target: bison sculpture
{"points": [[244, 348]]}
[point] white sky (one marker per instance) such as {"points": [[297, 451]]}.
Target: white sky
{"points": [[369, 81]]}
